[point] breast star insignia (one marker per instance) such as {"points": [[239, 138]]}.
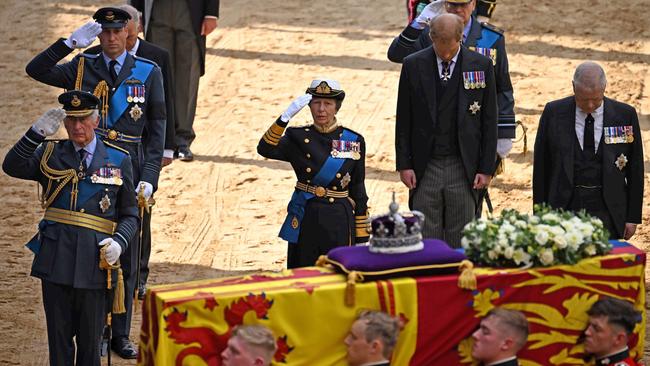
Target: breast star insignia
{"points": [[621, 162], [475, 107]]}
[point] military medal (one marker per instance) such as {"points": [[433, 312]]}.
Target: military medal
{"points": [[105, 203], [621, 162], [345, 180], [618, 134], [491, 53], [342, 149], [475, 107], [107, 175], [474, 79], [129, 97], [135, 112]]}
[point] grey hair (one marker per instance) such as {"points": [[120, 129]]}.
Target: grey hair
{"points": [[95, 113], [589, 75], [259, 339], [133, 12]]}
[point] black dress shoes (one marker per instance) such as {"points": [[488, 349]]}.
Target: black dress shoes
{"points": [[124, 348], [185, 154]]}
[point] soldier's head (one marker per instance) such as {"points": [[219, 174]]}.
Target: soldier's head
{"points": [[462, 8], [446, 32], [371, 338], [133, 26], [81, 115], [327, 97], [113, 36], [589, 83], [502, 333], [610, 323], [249, 345]]}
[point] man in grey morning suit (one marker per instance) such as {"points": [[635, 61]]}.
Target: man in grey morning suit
{"points": [[446, 129]]}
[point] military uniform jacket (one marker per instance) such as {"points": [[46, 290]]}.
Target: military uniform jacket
{"points": [[307, 150], [619, 359], [147, 156], [417, 114], [68, 254], [412, 40], [554, 159]]}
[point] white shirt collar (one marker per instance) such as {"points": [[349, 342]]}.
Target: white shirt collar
{"points": [[502, 361], [134, 50], [452, 63], [120, 59]]}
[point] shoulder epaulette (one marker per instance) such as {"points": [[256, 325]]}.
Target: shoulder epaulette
{"points": [[115, 147], [144, 60], [89, 55], [492, 28]]}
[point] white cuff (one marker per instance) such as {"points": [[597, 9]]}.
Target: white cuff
{"points": [[168, 153]]}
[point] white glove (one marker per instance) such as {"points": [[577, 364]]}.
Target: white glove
{"points": [[49, 122], [503, 147], [113, 250], [435, 8], [84, 35], [295, 107], [148, 189]]}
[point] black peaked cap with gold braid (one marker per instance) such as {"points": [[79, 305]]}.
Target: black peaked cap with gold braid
{"points": [[78, 103]]}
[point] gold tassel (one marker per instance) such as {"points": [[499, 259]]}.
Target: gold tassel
{"points": [[101, 92], [353, 278], [524, 136], [321, 261], [118, 297], [467, 278], [80, 74], [501, 167]]}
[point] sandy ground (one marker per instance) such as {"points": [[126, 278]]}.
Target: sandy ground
{"points": [[221, 213]]}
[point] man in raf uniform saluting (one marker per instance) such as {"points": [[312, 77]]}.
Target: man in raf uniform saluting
{"points": [[90, 206], [132, 94]]}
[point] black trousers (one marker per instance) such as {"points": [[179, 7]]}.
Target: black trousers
{"points": [[591, 200], [73, 316], [146, 248]]}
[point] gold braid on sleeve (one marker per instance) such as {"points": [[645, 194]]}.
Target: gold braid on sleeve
{"points": [[80, 74], [61, 176], [101, 92]]}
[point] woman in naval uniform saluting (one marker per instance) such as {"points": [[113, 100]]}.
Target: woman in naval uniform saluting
{"points": [[329, 203]]}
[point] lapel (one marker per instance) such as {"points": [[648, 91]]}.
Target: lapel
{"points": [[100, 157], [609, 120], [102, 68], [474, 34], [125, 71], [426, 70], [70, 158], [462, 94], [567, 131], [141, 48]]}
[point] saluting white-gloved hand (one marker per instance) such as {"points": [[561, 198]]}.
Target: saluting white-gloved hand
{"points": [[113, 250], [295, 107], [84, 35], [49, 122], [435, 8], [148, 189]]}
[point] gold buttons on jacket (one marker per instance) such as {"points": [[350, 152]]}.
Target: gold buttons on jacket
{"points": [[331, 200], [308, 156], [306, 141], [308, 170], [334, 188], [307, 129], [82, 210], [338, 175]]}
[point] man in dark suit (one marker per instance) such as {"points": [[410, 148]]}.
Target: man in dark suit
{"points": [[139, 47], [500, 336], [90, 207], [181, 28], [446, 129], [589, 155], [483, 38], [371, 339], [131, 89]]}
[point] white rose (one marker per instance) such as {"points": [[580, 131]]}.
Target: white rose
{"points": [[546, 256], [541, 237], [573, 239], [519, 256], [551, 217], [587, 230], [481, 226], [557, 230], [508, 253], [520, 224], [533, 220], [590, 250], [560, 241], [513, 236], [464, 242], [503, 241], [492, 254]]}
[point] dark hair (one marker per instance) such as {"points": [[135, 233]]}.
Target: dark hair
{"points": [[618, 312]]}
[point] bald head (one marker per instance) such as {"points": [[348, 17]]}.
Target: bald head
{"points": [[589, 84], [446, 31], [590, 75], [446, 27]]}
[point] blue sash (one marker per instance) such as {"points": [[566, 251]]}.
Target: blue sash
{"points": [[118, 103], [290, 230], [488, 38]]}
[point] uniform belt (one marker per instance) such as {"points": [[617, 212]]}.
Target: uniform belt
{"points": [[588, 187], [117, 136], [81, 219], [320, 191]]}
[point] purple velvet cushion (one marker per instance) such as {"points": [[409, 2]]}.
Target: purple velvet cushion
{"points": [[435, 257]]}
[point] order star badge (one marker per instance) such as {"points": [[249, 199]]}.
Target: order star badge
{"points": [[135, 112], [105, 203], [475, 107], [621, 162], [345, 180]]}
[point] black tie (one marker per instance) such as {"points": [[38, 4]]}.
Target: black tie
{"points": [[111, 69], [82, 159], [588, 142], [445, 73]]}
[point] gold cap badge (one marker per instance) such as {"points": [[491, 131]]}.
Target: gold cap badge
{"points": [[323, 88], [110, 16], [75, 102]]}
